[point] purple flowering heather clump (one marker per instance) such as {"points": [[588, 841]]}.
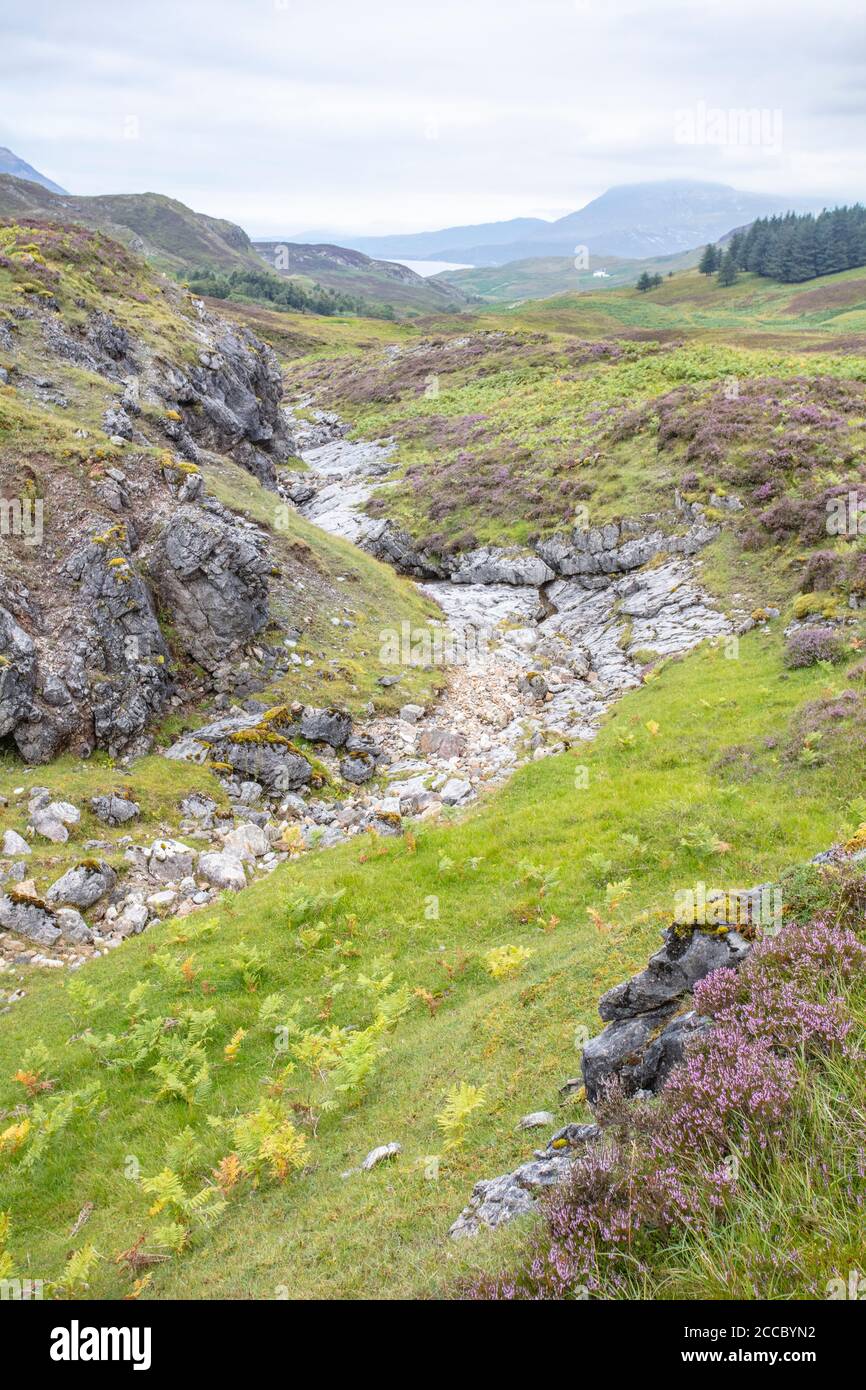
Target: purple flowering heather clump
{"points": [[811, 645], [661, 1166]]}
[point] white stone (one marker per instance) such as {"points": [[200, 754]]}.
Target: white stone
{"points": [[378, 1155], [14, 844], [539, 1119], [247, 841], [410, 714], [223, 871], [455, 790], [164, 898]]}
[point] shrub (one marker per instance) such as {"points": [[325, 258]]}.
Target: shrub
{"points": [[811, 645]]}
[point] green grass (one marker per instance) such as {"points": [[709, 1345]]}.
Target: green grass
{"points": [[322, 1235], [157, 784]]}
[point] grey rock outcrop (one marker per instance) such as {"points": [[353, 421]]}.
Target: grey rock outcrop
{"points": [[331, 726], [120, 643], [17, 673], [687, 956], [230, 400], [649, 1034], [30, 919], [210, 571]]}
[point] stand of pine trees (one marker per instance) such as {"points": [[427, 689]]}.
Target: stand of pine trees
{"points": [[801, 246]]}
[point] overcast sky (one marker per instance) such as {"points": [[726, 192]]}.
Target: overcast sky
{"points": [[384, 115]]}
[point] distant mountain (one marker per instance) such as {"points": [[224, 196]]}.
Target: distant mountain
{"points": [[635, 220], [165, 231], [20, 169], [351, 272]]}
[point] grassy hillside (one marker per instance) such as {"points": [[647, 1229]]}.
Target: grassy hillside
{"points": [[611, 400], [539, 277], [351, 272], [55, 443], [185, 1116], [130, 1095], [164, 230]]}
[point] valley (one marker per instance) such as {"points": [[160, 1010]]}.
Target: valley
{"points": [[462, 646]]}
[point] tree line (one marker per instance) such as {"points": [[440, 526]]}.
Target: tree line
{"points": [[792, 248]]}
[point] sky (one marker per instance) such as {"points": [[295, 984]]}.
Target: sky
{"points": [[289, 116]]}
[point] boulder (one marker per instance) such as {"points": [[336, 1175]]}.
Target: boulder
{"points": [[619, 1049], [358, 767], [442, 743], [246, 841], [132, 920], [73, 926], [50, 828], [14, 844], [495, 1201], [669, 1048], [27, 918], [83, 885], [380, 1155], [686, 957], [169, 861], [539, 1119], [410, 714], [224, 871], [114, 810], [331, 726]]}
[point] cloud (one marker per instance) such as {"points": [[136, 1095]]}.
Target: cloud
{"points": [[290, 115]]}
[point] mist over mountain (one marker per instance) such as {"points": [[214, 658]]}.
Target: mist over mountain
{"points": [[637, 220]]}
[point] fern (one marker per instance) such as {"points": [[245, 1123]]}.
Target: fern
{"points": [[461, 1102], [505, 961]]}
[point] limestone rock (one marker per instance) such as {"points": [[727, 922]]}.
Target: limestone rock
{"points": [[687, 956], [114, 810], [380, 1154], [210, 571], [224, 871], [82, 886], [14, 844], [28, 919]]}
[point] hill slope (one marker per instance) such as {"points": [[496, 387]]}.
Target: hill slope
{"points": [[354, 273], [162, 229], [189, 1112]]}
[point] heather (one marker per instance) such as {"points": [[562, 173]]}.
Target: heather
{"points": [[672, 1168], [501, 434], [810, 645]]}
